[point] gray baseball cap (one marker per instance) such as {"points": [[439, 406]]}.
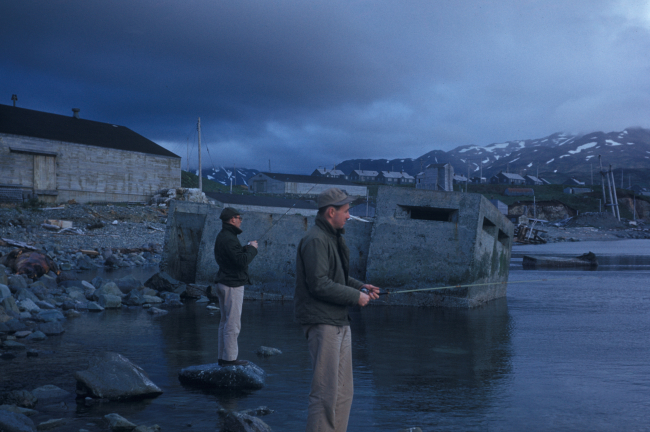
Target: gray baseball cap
{"points": [[333, 197]]}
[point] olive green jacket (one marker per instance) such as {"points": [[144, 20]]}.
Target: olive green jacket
{"points": [[323, 288], [232, 257]]}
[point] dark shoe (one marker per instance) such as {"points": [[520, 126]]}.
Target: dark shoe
{"points": [[233, 362]]}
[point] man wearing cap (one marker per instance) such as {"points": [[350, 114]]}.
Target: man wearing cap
{"points": [[324, 290], [233, 260]]}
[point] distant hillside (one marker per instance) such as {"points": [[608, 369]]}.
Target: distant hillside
{"points": [[555, 157]]}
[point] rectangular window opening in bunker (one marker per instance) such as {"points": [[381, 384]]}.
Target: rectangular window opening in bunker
{"points": [[426, 213], [489, 227], [504, 239]]}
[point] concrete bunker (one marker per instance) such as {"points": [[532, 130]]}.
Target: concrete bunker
{"points": [[418, 239]]}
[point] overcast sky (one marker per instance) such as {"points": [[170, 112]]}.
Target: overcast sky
{"points": [[311, 83]]}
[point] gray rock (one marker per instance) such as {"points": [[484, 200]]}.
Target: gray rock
{"points": [[13, 345], [16, 282], [203, 299], [113, 376], [44, 305], [72, 314], [15, 325], [267, 351], [10, 304], [112, 261], [20, 410], [77, 294], [152, 299], [117, 423], [134, 298], [53, 315], [51, 424], [25, 293], [413, 429], [25, 315], [15, 422], [212, 375], [37, 336], [4, 291], [51, 328], [87, 285], [50, 393], [238, 422], [143, 428], [127, 284], [107, 288], [28, 305], [259, 411], [163, 282], [48, 281], [109, 301], [21, 398], [22, 333], [7, 356], [156, 311], [94, 307]]}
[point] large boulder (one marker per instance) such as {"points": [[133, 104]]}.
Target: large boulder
{"points": [[163, 282], [15, 422], [28, 305], [249, 377], [16, 282], [112, 376], [109, 301], [50, 393], [134, 298], [9, 304], [50, 315], [107, 288], [25, 293], [117, 423], [4, 291], [51, 328], [15, 325], [21, 398], [240, 422], [127, 284]]}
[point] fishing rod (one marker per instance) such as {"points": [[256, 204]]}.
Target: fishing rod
{"points": [[467, 285]]}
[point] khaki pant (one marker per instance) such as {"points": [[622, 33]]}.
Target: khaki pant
{"points": [[230, 302], [332, 385]]}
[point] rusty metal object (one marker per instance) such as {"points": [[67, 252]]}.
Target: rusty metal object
{"points": [[32, 263]]}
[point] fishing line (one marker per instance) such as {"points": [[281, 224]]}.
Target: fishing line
{"points": [[472, 285], [290, 208]]}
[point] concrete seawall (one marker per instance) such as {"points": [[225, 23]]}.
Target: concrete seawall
{"points": [[418, 239]]}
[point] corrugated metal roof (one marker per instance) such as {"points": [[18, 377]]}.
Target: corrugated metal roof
{"points": [[366, 173], [38, 124]]}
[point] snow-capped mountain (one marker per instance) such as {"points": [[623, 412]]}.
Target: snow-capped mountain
{"points": [[223, 175], [555, 157]]}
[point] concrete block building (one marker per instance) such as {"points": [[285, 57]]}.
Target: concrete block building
{"points": [[58, 158], [436, 177]]}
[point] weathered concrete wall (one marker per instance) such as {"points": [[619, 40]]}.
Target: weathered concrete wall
{"points": [[419, 239], [88, 173], [423, 239], [274, 268]]}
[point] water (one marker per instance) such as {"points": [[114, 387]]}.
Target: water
{"points": [[569, 355]]}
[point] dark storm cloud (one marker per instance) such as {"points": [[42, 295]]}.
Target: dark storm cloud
{"points": [[312, 83]]}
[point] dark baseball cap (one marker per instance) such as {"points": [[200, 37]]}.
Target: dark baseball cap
{"points": [[333, 197], [228, 213]]}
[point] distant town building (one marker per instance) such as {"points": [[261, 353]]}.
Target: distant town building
{"points": [[639, 190], [363, 176], [533, 181], [500, 205], [306, 185], [332, 173], [460, 179], [436, 177], [478, 180], [395, 178], [519, 192], [544, 181], [58, 158], [265, 204], [575, 190], [507, 178], [573, 182]]}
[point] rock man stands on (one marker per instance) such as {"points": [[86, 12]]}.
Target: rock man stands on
{"points": [[324, 290], [233, 260]]}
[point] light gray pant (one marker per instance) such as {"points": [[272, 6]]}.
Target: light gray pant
{"points": [[230, 302], [332, 385]]}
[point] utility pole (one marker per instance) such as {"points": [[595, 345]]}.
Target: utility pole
{"points": [[615, 202], [200, 176]]}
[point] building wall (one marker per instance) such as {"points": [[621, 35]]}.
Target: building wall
{"points": [[437, 178], [88, 173], [273, 186], [273, 210]]}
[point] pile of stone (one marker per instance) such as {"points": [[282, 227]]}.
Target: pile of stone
{"points": [[163, 197]]}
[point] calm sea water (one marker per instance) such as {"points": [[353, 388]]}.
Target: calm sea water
{"points": [[570, 353]]}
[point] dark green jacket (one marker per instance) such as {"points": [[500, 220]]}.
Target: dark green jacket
{"points": [[232, 257], [323, 288]]}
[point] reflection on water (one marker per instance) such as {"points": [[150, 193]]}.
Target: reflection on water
{"points": [[567, 355]]}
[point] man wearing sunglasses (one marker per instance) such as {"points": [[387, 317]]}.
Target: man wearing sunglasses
{"points": [[233, 260]]}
